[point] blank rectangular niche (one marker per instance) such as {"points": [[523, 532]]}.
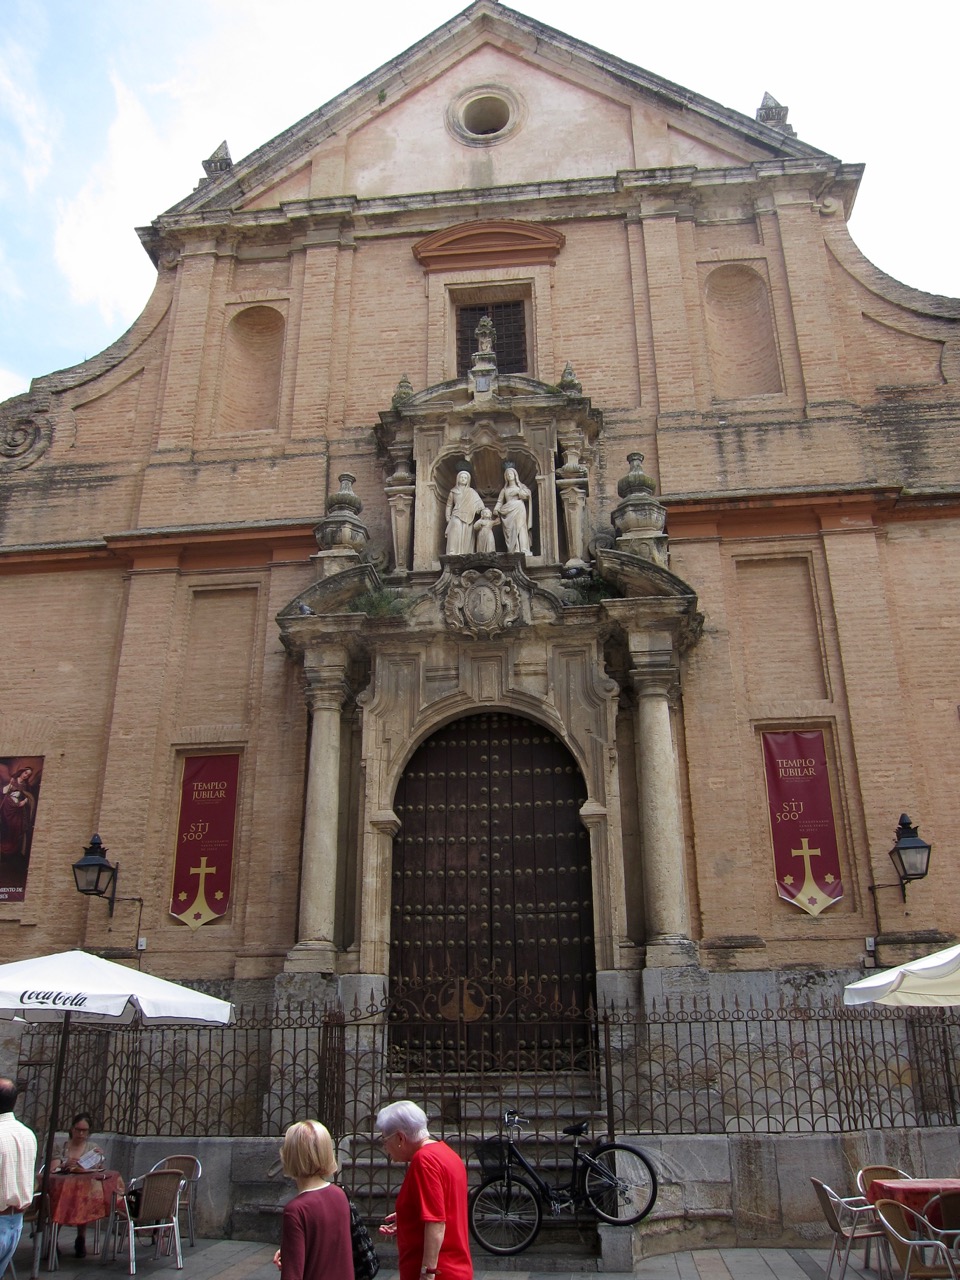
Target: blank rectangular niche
{"points": [[219, 657], [779, 622]]}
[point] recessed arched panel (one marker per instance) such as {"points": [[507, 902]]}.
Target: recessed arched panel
{"points": [[741, 340], [252, 362]]}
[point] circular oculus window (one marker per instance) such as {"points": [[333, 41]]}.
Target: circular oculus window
{"points": [[484, 115]]}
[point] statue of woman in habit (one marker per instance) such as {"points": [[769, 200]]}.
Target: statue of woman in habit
{"points": [[513, 508], [464, 504]]}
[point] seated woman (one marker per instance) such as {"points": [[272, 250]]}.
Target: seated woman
{"points": [[79, 1155]]}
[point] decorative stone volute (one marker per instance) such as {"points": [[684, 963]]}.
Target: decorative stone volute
{"points": [[26, 431], [340, 529], [640, 518]]}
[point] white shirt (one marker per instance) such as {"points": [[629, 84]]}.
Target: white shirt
{"points": [[18, 1156]]}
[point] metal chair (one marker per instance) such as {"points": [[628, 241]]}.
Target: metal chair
{"points": [[871, 1171], [912, 1237], [157, 1213], [945, 1208], [852, 1222], [190, 1170], [950, 1210]]}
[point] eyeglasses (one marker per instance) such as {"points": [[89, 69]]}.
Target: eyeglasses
{"points": [[385, 1137]]}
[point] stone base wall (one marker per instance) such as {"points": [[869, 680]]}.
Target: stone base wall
{"points": [[743, 1189]]}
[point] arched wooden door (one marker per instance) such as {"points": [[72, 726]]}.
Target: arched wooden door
{"points": [[492, 908]]}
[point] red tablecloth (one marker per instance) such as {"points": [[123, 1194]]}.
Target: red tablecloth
{"points": [[912, 1193], [77, 1198]]}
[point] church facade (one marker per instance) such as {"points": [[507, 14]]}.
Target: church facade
{"points": [[517, 538]]}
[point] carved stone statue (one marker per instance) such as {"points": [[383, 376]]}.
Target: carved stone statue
{"points": [[464, 504], [513, 508], [485, 542]]}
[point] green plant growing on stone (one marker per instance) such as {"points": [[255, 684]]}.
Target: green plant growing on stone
{"points": [[384, 603], [590, 590]]}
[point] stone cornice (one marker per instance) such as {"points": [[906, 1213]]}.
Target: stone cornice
{"points": [[175, 545], [340, 220], [803, 513]]}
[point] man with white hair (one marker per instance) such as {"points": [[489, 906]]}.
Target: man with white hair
{"points": [[430, 1221]]}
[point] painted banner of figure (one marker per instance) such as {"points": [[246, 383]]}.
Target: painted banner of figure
{"points": [[19, 795]]}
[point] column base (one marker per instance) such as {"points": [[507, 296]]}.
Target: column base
{"points": [[311, 957], [671, 952]]}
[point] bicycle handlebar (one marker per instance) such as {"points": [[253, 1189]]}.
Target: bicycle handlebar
{"points": [[512, 1117]]}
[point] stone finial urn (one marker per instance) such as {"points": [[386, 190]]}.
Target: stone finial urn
{"points": [[640, 518], [340, 529]]}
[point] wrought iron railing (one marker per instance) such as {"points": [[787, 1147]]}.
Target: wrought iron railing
{"points": [[682, 1069]]}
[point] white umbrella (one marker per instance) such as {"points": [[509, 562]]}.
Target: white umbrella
{"points": [[76, 986], [931, 980], [87, 987]]}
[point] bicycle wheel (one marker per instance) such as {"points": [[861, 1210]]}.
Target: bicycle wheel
{"points": [[619, 1183], [504, 1214]]}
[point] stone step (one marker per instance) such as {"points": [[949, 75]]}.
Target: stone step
{"points": [[561, 1245]]}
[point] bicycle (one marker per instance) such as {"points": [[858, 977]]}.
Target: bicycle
{"points": [[617, 1182]]}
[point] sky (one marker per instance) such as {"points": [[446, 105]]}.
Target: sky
{"points": [[108, 107]]}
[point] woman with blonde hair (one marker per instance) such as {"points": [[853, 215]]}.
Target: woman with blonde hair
{"points": [[315, 1236]]}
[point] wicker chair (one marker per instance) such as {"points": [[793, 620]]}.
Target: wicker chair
{"points": [[156, 1212], [913, 1240], [190, 1170]]}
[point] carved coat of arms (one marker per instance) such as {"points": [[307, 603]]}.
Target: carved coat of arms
{"points": [[482, 603]]}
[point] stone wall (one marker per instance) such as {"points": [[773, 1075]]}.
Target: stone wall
{"points": [[736, 1190]]}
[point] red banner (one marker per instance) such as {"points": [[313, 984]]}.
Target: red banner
{"points": [[19, 796], [203, 864], [805, 852]]}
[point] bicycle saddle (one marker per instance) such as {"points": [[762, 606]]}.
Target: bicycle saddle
{"points": [[577, 1130]]}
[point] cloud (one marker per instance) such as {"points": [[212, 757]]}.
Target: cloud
{"points": [[26, 109], [12, 384], [10, 287], [94, 243]]}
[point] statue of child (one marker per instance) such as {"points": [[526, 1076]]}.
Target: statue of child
{"points": [[484, 527]]}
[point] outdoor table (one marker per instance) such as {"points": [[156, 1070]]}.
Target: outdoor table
{"points": [[79, 1198], [912, 1193]]}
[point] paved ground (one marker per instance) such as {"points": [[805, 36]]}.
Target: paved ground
{"points": [[246, 1260]]}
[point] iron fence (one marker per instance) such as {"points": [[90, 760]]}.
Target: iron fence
{"points": [[685, 1069]]}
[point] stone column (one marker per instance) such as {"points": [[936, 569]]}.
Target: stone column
{"points": [[664, 881], [327, 690]]}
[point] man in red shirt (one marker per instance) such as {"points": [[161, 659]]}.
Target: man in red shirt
{"points": [[430, 1221]]}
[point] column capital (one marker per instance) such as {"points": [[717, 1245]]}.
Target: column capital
{"points": [[327, 686], [652, 680]]}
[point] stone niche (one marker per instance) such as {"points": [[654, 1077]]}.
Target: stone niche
{"points": [[482, 425]]}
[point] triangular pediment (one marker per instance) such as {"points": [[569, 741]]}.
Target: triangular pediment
{"points": [[493, 98]]}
